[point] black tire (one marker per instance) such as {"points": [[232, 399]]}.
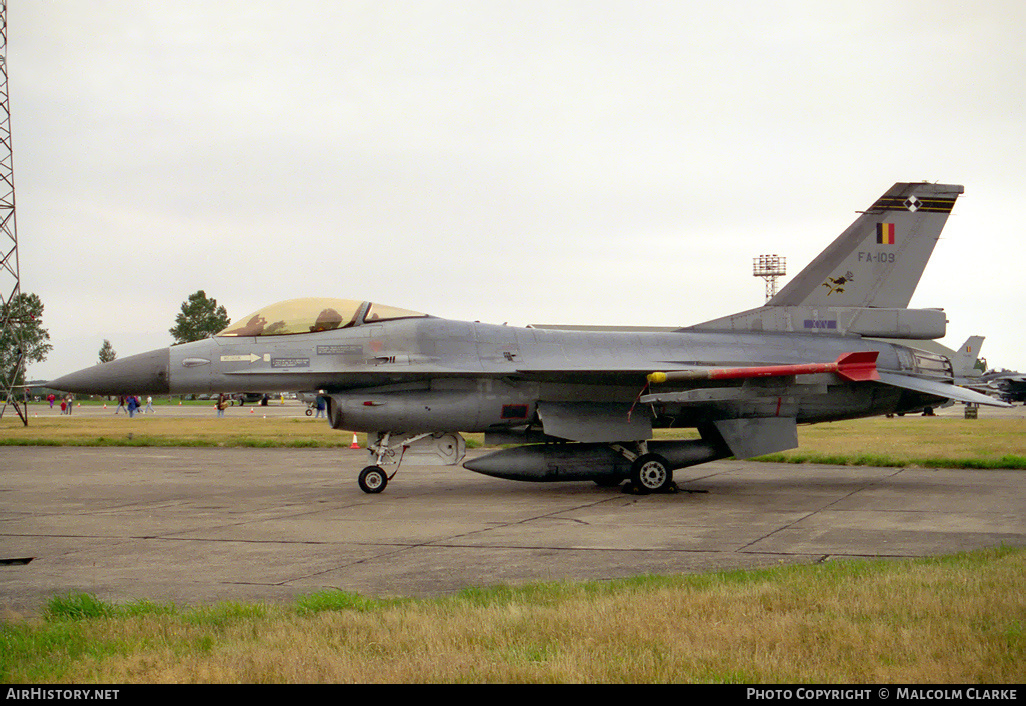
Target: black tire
{"points": [[651, 473], [372, 479], [309, 412]]}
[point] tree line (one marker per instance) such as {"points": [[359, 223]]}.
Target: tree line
{"points": [[200, 317]]}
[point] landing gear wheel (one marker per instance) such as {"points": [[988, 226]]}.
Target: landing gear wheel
{"points": [[309, 412], [651, 473], [372, 479]]}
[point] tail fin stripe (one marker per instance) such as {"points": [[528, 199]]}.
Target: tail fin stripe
{"points": [[934, 205]]}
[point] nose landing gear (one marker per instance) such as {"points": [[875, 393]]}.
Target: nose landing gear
{"points": [[372, 479]]}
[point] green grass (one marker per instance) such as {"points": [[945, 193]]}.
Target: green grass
{"points": [[926, 442], [249, 431], [953, 619], [337, 600], [1002, 462], [937, 442]]}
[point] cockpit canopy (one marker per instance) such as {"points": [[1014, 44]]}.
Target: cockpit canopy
{"points": [[313, 314]]}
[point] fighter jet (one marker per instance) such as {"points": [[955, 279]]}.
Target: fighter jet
{"points": [[582, 404], [1007, 385]]}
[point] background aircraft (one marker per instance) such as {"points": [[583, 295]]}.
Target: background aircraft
{"points": [[582, 404], [1007, 385]]}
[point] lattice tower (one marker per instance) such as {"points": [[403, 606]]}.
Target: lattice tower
{"points": [[770, 268], [10, 274]]}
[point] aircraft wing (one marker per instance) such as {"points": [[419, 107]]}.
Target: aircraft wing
{"points": [[940, 389]]}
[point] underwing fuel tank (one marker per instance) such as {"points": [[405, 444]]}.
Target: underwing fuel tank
{"points": [[570, 462]]}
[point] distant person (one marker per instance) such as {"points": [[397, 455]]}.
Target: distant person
{"points": [[149, 404], [121, 404], [222, 404], [320, 406], [133, 404], [71, 402]]}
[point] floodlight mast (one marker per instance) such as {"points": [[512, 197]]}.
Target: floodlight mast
{"points": [[10, 274], [769, 267]]}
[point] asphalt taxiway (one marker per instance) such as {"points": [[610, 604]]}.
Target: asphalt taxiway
{"points": [[197, 526]]}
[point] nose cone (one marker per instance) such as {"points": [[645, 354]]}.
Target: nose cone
{"points": [[136, 374]]}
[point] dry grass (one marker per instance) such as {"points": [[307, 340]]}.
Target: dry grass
{"points": [[916, 440], [950, 620], [998, 442], [109, 430]]}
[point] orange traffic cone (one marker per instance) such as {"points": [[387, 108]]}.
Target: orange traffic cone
{"points": [[355, 444]]}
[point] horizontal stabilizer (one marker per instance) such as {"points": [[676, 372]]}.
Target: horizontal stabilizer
{"points": [[940, 389]]}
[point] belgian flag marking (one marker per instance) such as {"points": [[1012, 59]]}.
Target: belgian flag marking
{"points": [[885, 234]]}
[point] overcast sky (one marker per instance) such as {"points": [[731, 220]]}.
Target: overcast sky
{"points": [[522, 162]]}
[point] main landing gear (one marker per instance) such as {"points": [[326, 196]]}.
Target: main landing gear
{"points": [[650, 472]]}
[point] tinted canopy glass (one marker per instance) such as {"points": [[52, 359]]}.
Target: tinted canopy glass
{"points": [[309, 315]]}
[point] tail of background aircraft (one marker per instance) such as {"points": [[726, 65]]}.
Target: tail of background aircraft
{"points": [[863, 282], [963, 362]]}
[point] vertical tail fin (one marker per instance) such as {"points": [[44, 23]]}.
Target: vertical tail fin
{"points": [[963, 362], [879, 259], [863, 281]]}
